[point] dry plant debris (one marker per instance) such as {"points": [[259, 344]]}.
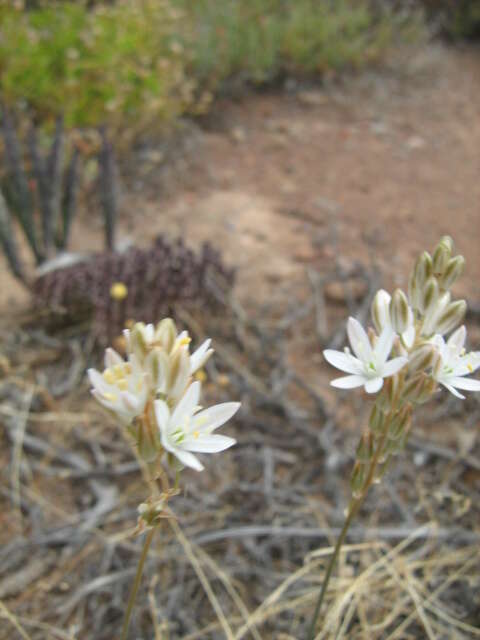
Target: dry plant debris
{"points": [[256, 531]]}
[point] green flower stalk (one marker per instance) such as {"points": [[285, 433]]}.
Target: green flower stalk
{"points": [[403, 363]]}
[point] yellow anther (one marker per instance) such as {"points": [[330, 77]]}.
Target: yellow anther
{"points": [[118, 291], [111, 397], [127, 368], [122, 385], [196, 434], [118, 371], [200, 375], [184, 341], [108, 376], [469, 367]]}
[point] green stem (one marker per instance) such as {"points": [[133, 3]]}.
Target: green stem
{"points": [[341, 538], [354, 507], [136, 584]]}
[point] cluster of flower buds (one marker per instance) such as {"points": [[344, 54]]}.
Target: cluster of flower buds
{"points": [[154, 395], [406, 357]]}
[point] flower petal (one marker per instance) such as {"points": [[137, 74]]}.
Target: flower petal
{"points": [[98, 381], [200, 356], [348, 382], [208, 444], [112, 358], [343, 361], [373, 385], [359, 340], [188, 459], [456, 341], [187, 404], [408, 336], [468, 384], [384, 345], [162, 414], [210, 419], [452, 390], [391, 367]]}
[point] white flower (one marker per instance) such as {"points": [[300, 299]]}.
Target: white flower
{"points": [[455, 363], [187, 430], [122, 387], [381, 317], [370, 365]]}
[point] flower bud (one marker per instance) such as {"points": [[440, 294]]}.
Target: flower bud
{"points": [[380, 310], [442, 254], [451, 317], [430, 295], [423, 270], [150, 512], [413, 292], [422, 358], [166, 334], [434, 312], [453, 271], [138, 343], [179, 373], [157, 367], [399, 311]]}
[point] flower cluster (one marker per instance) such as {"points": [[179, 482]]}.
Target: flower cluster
{"points": [[406, 357], [154, 395], [412, 328]]}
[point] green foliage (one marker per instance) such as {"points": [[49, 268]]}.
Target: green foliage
{"points": [[465, 20], [133, 63], [259, 39], [92, 65]]}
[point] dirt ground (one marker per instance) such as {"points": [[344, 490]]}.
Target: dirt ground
{"points": [[358, 175]]}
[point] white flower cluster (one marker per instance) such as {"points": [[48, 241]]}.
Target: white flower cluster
{"points": [[153, 394], [412, 329]]}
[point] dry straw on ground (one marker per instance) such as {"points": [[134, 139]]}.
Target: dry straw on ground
{"points": [[245, 553]]}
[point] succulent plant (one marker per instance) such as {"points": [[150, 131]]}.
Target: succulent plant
{"points": [[114, 288]]}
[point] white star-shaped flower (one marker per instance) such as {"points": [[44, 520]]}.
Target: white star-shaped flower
{"points": [[187, 430], [122, 387], [455, 363], [370, 365]]}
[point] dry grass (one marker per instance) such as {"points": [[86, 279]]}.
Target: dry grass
{"points": [[246, 550]]}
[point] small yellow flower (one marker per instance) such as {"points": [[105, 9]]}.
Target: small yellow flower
{"points": [[118, 291]]}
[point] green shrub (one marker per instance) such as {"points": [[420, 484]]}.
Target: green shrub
{"points": [[134, 63], [114, 63]]}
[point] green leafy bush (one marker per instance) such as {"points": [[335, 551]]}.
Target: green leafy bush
{"points": [[259, 39], [117, 63], [134, 63]]}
